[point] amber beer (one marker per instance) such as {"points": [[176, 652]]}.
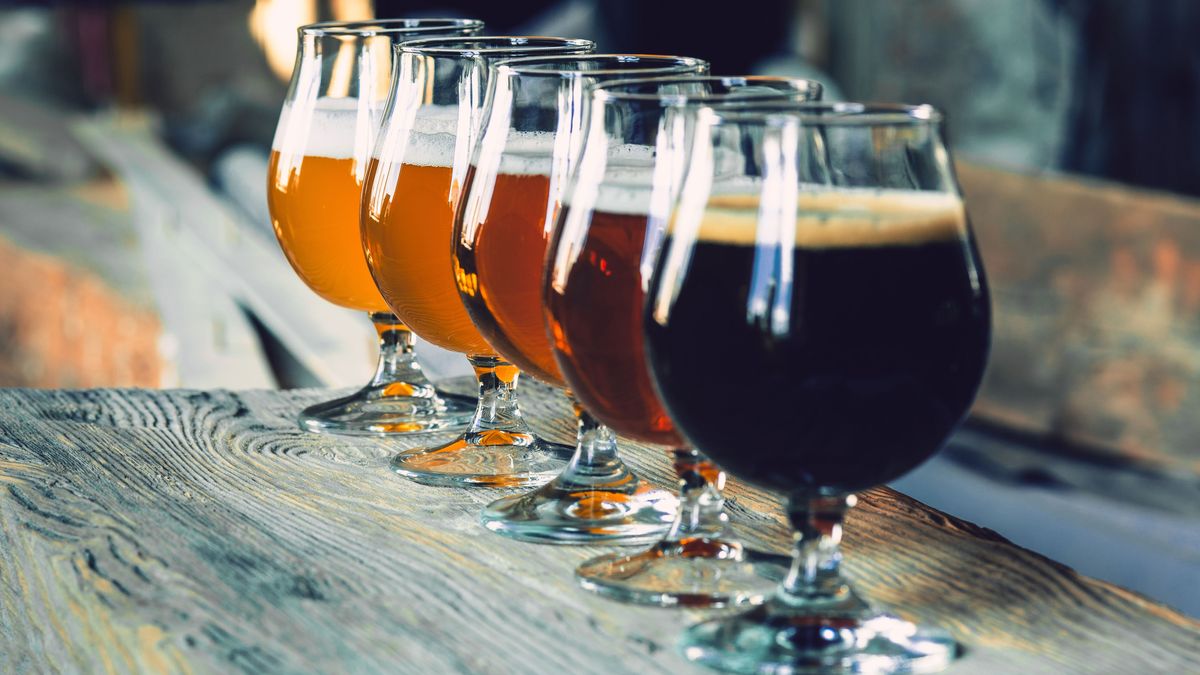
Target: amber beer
{"points": [[407, 221], [596, 324], [313, 195], [500, 269]]}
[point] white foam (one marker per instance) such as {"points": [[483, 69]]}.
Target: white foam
{"points": [[626, 200], [628, 182], [530, 153], [430, 137], [430, 149], [337, 128], [344, 128], [543, 153]]}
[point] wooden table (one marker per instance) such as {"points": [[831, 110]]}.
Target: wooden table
{"points": [[200, 531]]}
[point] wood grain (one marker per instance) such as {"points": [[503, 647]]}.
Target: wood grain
{"points": [[200, 531]]}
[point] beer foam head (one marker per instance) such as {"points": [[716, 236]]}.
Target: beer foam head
{"points": [[344, 128], [529, 153], [533, 153], [630, 156], [628, 190], [333, 128], [628, 180], [431, 141], [629, 199], [838, 218]]}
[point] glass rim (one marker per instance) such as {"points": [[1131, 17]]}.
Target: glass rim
{"points": [[830, 114], [529, 65], [496, 44], [606, 90], [373, 27]]}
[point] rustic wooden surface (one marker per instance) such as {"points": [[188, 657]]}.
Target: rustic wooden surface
{"points": [[1096, 292], [200, 531]]}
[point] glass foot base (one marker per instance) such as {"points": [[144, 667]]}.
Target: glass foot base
{"points": [[772, 639], [691, 572], [567, 512], [388, 410], [490, 458]]}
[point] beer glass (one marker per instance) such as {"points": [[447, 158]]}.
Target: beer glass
{"points": [[318, 160], [412, 187], [618, 204], [529, 145], [830, 251]]}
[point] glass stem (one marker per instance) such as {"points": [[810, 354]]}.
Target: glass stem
{"points": [[595, 460], [398, 373], [498, 409], [815, 579], [701, 505]]}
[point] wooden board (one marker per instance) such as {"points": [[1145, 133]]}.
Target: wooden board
{"points": [[76, 309], [238, 267], [1096, 293], [208, 338], [200, 531], [35, 142]]}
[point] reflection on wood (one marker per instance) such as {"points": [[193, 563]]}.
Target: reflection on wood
{"points": [[189, 530], [1096, 292]]}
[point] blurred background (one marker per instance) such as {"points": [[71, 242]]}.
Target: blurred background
{"points": [[136, 248]]}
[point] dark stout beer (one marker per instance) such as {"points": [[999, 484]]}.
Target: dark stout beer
{"points": [[837, 356]]}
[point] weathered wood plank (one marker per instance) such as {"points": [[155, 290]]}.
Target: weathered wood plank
{"points": [[332, 343], [200, 531], [34, 142], [1096, 292], [208, 338], [64, 323]]}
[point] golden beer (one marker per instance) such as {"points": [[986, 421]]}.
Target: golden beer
{"points": [[406, 226], [313, 193], [314, 210]]}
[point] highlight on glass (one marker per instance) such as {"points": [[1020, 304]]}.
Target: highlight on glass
{"points": [[830, 251], [412, 189], [600, 258], [318, 162], [532, 133]]}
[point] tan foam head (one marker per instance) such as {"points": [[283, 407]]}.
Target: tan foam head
{"points": [[839, 219]]}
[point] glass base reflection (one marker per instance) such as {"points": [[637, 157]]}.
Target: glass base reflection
{"points": [[693, 572], [399, 399], [568, 510], [487, 458], [776, 638], [387, 409], [497, 450]]}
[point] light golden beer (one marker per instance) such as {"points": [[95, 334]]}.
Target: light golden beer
{"points": [[313, 193], [406, 224]]}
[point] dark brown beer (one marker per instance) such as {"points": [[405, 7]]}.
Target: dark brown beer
{"points": [[833, 358]]}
